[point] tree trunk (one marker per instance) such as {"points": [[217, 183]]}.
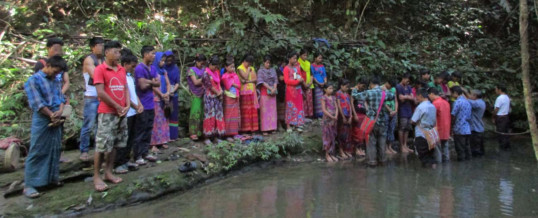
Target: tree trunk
{"points": [[525, 68]]}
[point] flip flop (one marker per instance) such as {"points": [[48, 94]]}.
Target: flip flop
{"points": [[84, 157], [187, 167], [194, 138], [31, 192], [115, 181], [101, 187], [123, 169]]}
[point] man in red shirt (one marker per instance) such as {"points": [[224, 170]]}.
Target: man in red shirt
{"points": [[443, 124], [114, 102]]}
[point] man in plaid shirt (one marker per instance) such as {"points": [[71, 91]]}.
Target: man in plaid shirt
{"points": [[375, 150], [45, 97]]}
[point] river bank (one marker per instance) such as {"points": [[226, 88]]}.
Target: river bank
{"points": [[155, 180]]}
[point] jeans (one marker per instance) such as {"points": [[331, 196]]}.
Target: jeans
{"points": [[502, 123], [477, 143], [463, 147], [144, 127], [124, 154], [377, 143], [88, 126]]}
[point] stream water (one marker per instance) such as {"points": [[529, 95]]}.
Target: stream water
{"points": [[500, 184]]}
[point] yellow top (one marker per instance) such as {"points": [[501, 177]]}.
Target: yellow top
{"points": [[305, 65], [251, 76]]}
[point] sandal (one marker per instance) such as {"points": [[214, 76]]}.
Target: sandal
{"points": [[123, 169], [31, 192], [84, 157], [194, 137], [187, 167]]}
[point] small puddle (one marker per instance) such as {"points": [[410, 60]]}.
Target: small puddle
{"points": [[500, 184]]}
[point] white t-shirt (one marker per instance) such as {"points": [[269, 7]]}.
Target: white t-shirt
{"points": [[90, 90], [132, 94], [503, 103]]}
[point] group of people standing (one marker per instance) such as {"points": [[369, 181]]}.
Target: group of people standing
{"points": [[439, 108], [132, 107]]}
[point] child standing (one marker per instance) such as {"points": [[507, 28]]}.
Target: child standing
{"points": [[344, 123], [123, 155], [328, 123], [392, 116]]}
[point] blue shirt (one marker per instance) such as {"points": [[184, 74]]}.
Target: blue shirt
{"points": [[461, 111], [478, 108], [405, 108], [319, 73], [426, 116], [44, 92]]}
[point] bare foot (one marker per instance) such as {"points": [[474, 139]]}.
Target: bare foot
{"points": [[99, 184], [335, 159], [113, 179], [348, 155], [328, 158]]}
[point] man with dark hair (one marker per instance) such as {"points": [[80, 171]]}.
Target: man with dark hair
{"points": [[501, 116], [90, 95], [145, 81], [47, 102], [442, 108], [114, 103], [477, 125], [376, 144], [461, 118], [424, 119], [54, 47], [425, 77], [122, 162], [405, 110]]}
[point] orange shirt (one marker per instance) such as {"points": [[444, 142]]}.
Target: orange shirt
{"points": [[443, 118]]}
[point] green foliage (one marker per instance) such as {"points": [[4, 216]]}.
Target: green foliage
{"points": [[478, 38], [226, 155]]}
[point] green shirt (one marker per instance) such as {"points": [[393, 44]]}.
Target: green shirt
{"points": [[391, 103]]}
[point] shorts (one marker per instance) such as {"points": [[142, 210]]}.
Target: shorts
{"points": [[405, 124], [111, 132]]}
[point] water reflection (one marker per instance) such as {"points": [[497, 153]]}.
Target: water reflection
{"points": [[479, 188]]}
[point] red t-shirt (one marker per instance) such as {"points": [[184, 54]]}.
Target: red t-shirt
{"points": [[443, 118], [114, 83]]}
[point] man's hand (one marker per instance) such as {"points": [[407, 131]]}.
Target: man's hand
{"points": [[139, 109]]}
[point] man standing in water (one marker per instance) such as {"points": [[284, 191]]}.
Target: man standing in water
{"points": [[405, 111], [111, 84], [501, 116], [376, 146], [90, 95], [47, 101], [424, 119], [461, 116], [477, 125]]}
